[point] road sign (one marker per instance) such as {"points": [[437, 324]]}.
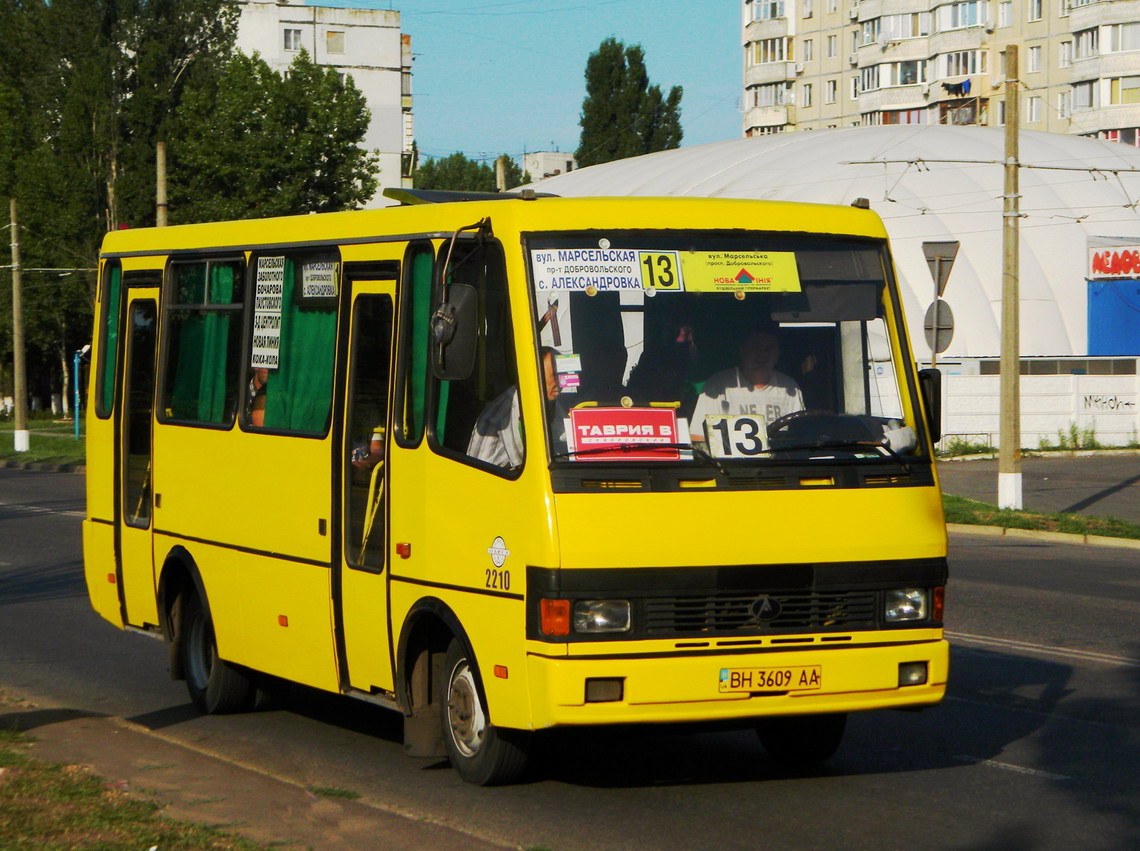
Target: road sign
{"points": [[940, 258], [939, 326]]}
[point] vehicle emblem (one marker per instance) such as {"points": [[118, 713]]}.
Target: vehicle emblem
{"points": [[765, 608], [498, 552]]}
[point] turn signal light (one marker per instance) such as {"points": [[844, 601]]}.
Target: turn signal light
{"points": [[554, 617], [937, 604]]}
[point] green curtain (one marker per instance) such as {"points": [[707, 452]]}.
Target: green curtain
{"points": [[110, 339], [423, 264], [199, 386], [298, 394]]}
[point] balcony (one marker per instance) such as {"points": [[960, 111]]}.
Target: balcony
{"points": [[895, 97], [1112, 117], [770, 72], [770, 116]]}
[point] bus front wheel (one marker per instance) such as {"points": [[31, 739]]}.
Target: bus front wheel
{"points": [[796, 741], [216, 686], [482, 753]]}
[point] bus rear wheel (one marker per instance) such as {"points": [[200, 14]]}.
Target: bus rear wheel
{"points": [[216, 686], [800, 741], [482, 753]]}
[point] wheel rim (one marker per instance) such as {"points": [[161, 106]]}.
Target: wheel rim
{"points": [[465, 719], [200, 659]]}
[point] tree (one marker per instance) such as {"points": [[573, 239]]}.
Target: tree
{"points": [[165, 48], [460, 174], [326, 117], [253, 143], [622, 115], [86, 89]]}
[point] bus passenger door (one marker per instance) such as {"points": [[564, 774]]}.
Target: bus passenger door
{"points": [[361, 595], [134, 428]]}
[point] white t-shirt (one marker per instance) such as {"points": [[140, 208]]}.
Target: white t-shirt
{"points": [[497, 437], [728, 393]]}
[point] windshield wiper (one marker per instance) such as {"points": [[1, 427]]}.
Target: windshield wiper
{"points": [[851, 444], [640, 447]]}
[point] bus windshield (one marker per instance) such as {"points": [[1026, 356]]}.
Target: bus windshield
{"points": [[729, 349]]}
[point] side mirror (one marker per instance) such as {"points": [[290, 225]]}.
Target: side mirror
{"points": [[930, 384], [454, 330]]}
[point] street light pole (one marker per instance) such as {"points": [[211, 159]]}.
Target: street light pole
{"points": [[80, 354], [1009, 449], [20, 434]]}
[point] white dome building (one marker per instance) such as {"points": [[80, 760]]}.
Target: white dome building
{"points": [[931, 182]]}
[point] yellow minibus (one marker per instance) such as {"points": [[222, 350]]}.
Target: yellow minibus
{"points": [[511, 462]]}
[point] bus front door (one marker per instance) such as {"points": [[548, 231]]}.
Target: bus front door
{"points": [[135, 480], [362, 597]]}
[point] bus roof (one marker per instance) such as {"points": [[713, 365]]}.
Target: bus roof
{"points": [[514, 215]]}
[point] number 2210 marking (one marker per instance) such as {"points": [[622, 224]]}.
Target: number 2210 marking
{"points": [[500, 580]]}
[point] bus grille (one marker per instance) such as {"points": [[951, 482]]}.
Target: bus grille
{"points": [[738, 613]]}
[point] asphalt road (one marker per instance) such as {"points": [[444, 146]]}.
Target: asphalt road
{"points": [[1035, 747], [1103, 485]]}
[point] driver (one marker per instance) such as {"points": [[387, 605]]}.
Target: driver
{"points": [[755, 387]]}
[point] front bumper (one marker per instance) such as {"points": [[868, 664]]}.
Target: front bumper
{"points": [[683, 686]]}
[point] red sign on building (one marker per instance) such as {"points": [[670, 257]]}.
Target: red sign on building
{"points": [[1122, 262]]}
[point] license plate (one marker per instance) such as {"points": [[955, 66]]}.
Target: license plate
{"points": [[803, 678]]}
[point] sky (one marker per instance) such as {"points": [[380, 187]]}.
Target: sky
{"points": [[495, 77]]}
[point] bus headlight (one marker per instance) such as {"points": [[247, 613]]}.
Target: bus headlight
{"points": [[904, 604], [601, 616]]}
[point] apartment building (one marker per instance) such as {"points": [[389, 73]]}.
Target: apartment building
{"points": [[361, 38], [810, 64]]}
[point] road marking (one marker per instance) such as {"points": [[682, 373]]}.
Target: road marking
{"points": [[1005, 766], [1047, 650], [35, 509]]}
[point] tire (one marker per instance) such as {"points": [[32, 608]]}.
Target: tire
{"points": [[216, 687], [801, 741], [482, 753]]}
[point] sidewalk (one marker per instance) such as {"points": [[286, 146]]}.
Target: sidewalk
{"points": [[1102, 484], [207, 789]]}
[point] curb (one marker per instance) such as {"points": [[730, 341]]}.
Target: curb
{"points": [[1042, 535], [43, 467], [1037, 453], [201, 785]]}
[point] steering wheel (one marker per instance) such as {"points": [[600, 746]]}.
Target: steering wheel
{"points": [[783, 423], [817, 424]]}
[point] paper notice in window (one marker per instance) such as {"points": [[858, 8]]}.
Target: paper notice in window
{"points": [[741, 271], [269, 291]]}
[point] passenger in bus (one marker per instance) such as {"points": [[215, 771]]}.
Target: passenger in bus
{"points": [[498, 434], [754, 387], [365, 456], [255, 403]]}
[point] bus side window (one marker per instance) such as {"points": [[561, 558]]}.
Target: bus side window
{"points": [[479, 416], [293, 344], [415, 311], [204, 302], [367, 418], [111, 299]]}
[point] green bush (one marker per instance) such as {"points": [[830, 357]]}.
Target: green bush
{"points": [[960, 445]]}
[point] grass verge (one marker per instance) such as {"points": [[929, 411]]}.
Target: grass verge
{"points": [[48, 806], [48, 446], [959, 509]]}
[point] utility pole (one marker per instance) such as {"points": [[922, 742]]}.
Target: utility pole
{"points": [[160, 186], [1009, 449], [501, 174], [19, 390]]}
